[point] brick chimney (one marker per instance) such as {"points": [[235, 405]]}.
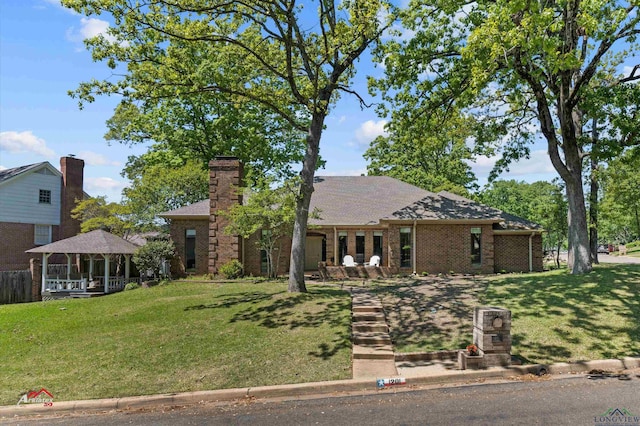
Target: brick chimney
{"points": [[72, 183], [225, 178]]}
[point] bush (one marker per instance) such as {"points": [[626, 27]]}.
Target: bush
{"points": [[131, 286], [232, 269]]}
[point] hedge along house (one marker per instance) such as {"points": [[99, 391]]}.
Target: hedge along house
{"points": [[410, 229]]}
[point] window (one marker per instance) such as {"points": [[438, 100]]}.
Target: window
{"points": [[360, 247], [42, 234], [342, 247], [190, 249], [476, 246], [405, 247], [45, 196], [377, 244]]}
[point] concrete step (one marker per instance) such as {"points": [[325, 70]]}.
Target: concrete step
{"points": [[369, 316], [371, 338], [369, 326], [378, 352], [367, 308]]}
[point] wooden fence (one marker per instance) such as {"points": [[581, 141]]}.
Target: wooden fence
{"points": [[15, 287]]}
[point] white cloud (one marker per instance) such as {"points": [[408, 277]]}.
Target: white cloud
{"points": [[57, 4], [369, 130], [89, 27], [24, 142], [95, 159], [3, 168], [102, 184]]}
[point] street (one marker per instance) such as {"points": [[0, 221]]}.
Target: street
{"points": [[575, 400]]}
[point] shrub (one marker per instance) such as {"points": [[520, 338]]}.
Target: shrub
{"points": [[131, 286], [232, 269]]}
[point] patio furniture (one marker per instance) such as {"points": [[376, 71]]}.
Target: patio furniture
{"points": [[348, 261]]}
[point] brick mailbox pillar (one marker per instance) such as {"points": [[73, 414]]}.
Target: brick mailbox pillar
{"points": [[492, 335]]}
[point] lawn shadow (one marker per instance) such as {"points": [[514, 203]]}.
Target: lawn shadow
{"points": [[434, 313], [576, 305], [321, 305]]}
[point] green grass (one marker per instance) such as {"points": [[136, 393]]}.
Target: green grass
{"points": [[557, 317], [173, 338], [562, 317]]}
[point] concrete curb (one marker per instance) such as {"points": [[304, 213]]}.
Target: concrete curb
{"points": [[306, 389]]}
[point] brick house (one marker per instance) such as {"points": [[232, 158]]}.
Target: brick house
{"points": [[35, 208], [412, 230]]}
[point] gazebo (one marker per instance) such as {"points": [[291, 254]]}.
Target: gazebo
{"points": [[94, 243]]}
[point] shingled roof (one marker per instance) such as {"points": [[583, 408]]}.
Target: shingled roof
{"points": [[94, 242], [8, 174], [366, 200]]}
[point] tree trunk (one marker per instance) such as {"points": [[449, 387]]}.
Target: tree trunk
{"points": [[303, 200], [579, 261]]}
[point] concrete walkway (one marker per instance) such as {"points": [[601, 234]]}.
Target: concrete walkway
{"points": [[372, 351]]}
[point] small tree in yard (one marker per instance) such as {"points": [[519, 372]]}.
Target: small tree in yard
{"points": [[151, 256], [268, 211]]}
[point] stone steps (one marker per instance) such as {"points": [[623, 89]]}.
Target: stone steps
{"points": [[372, 350]]}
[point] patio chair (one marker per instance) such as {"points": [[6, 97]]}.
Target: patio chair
{"points": [[374, 261], [348, 261]]}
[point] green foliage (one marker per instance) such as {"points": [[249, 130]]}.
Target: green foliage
{"points": [[428, 152], [232, 269], [152, 255], [269, 212], [540, 202], [620, 206], [160, 188], [131, 286], [273, 58], [96, 213]]}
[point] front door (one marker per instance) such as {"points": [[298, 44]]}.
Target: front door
{"points": [[313, 253]]}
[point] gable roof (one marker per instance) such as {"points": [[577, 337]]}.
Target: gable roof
{"points": [[367, 200], [199, 210], [7, 175], [94, 242], [360, 200]]}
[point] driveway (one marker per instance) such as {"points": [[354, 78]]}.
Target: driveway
{"points": [[606, 258]]}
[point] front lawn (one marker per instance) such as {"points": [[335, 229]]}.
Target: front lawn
{"points": [[557, 317], [177, 337]]}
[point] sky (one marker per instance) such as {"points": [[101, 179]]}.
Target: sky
{"points": [[42, 57]]}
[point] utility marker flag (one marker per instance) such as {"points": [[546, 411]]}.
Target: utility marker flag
{"points": [[383, 383]]}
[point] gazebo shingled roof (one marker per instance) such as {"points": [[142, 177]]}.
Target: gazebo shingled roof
{"points": [[94, 242]]}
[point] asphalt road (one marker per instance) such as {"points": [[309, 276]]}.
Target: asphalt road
{"points": [[577, 400]]}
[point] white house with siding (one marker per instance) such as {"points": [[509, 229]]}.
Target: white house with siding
{"points": [[35, 208]]}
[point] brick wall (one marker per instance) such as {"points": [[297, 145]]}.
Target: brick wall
{"points": [[252, 260], [178, 235], [72, 183], [512, 253], [225, 179], [17, 238], [444, 248]]}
